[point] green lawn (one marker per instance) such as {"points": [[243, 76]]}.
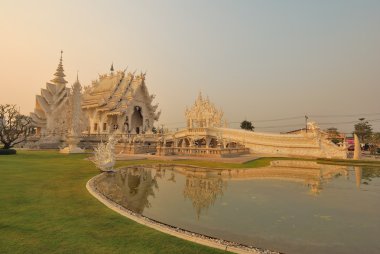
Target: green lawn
{"points": [[45, 208]]}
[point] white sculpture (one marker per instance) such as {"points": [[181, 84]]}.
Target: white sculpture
{"points": [[73, 137], [105, 154]]}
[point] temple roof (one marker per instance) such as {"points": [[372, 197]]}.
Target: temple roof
{"points": [[113, 92]]}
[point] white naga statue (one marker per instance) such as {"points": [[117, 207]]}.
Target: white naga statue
{"points": [[105, 154]]}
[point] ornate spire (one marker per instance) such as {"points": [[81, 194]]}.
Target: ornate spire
{"points": [[76, 108], [59, 74], [77, 85], [112, 68]]}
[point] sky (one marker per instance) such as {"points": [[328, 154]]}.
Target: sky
{"points": [[257, 60]]}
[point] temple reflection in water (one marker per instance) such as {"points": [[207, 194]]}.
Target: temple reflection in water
{"points": [[132, 187], [203, 191]]}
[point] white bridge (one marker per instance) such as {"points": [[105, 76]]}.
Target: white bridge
{"points": [[311, 144]]}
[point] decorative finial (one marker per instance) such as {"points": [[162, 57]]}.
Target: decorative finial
{"points": [[112, 67], [61, 53], [77, 76]]}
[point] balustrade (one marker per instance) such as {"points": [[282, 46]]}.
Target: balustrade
{"points": [[201, 151]]}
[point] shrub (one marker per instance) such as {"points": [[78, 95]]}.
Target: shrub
{"points": [[7, 151]]}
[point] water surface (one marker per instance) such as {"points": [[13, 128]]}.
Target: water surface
{"points": [[290, 206]]}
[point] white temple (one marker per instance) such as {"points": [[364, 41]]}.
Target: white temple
{"points": [[118, 102]]}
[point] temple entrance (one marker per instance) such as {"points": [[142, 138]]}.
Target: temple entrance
{"points": [[113, 124], [137, 120]]}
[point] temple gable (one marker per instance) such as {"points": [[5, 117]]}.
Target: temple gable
{"points": [[120, 103]]}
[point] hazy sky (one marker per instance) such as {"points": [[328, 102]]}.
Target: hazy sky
{"points": [[255, 59]]}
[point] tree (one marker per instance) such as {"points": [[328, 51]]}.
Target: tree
{"points": [[333, 135], [14, 127], [247, 125], [374, 142], [364, 130]]}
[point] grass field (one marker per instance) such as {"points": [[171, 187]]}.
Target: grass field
{"points": [[45, 208]]}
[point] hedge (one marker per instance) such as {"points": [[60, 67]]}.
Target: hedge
{"points": [[7, 151]]}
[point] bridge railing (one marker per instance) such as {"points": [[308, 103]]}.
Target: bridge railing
{"points": [[200, 151]]}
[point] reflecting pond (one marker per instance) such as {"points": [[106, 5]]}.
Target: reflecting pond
{"points": [[289, 206]]}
